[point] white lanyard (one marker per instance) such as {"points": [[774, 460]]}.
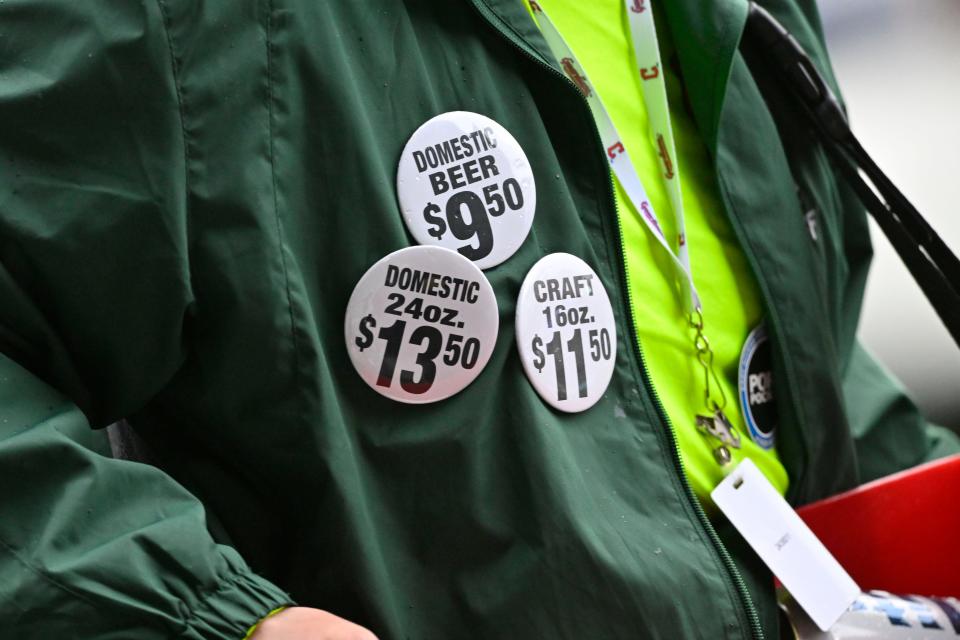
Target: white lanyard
{"points": [[644, 35]]}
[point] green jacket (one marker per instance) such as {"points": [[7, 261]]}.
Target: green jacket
{"points": [[189, 191]]}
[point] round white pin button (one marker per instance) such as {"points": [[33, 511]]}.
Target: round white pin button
{"points": [[566, 332], [464, 183], [421, 324]]}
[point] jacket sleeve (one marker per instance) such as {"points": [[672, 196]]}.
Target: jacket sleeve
{"points": [[889, 431], [95, 304]]}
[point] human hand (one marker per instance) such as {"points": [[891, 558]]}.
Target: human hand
{"points": [[303, 623]]}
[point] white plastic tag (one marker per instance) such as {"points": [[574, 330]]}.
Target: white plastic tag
{"points": [[421, 324], [566, 333], [464, 183], [788, 547]]}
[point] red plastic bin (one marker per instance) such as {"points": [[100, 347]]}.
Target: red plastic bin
{"points": [[900, 533]]}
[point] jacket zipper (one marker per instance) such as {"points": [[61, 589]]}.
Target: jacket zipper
{"points": [[733, 573]]}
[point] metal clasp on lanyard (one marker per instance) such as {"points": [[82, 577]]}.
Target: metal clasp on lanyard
{"points": [[714, 423]]}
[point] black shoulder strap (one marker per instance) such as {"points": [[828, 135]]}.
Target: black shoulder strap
{"points": [[931, 263]]}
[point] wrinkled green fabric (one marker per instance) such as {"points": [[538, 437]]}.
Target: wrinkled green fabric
{"points": [[188, 193]]}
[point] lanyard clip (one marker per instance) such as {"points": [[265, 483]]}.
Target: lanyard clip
{"points": [[718, 426], [705, 357]]}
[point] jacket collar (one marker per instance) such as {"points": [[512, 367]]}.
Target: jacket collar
{"points": [[511, 18], [706, 36]]}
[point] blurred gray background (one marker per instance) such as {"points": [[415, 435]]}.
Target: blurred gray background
{"points": [[898, 64]]}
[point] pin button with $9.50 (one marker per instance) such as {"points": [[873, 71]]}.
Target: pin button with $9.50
{"points": [[464, 183]]}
